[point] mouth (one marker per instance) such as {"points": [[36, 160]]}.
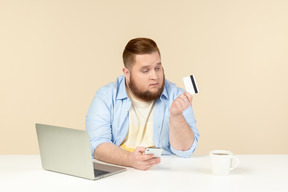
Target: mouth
{"points": [[154, 85]]}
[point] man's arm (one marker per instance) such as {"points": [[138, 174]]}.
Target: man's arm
{"points": [[181, 136], [111, 153]]}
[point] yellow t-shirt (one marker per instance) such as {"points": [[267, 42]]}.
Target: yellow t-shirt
{"points": [[140, 125]]}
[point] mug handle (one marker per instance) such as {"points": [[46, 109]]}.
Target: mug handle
{"points": [[237, 162]]}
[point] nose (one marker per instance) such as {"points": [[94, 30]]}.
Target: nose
{"points": [[154, 75]]}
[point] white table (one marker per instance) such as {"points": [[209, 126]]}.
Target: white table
{"points": [[255, 173]]}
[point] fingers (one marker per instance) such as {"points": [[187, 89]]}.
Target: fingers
{"points": [[150, 163], [139, 154], [139, 150], [189, 96], [142, 161], [143, 157], [183, 101]]}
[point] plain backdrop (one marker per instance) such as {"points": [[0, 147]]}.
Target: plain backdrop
{"points": [[55, 54]]}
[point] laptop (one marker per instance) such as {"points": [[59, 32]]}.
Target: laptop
{"points": [[67, 151]]}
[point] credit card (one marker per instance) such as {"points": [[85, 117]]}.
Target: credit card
{"points": [[190, 84]]}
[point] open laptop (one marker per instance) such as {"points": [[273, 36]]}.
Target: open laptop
{"points": [[67, 151]]}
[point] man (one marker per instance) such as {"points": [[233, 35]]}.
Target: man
{"points": [[141, 109]]}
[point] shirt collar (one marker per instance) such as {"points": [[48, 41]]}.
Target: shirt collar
{"points": [[122, 94], [165, 92]]}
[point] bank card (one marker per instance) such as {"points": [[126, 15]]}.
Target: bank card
{"points": [[190, 84]]}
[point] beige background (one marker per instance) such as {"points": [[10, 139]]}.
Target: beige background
{"points": [[56, 54]]}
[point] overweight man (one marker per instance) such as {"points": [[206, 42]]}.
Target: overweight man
{"points": [[141, 109]]}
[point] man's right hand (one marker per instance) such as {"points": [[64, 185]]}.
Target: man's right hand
{"points": [[113, 154], [140, 161]]}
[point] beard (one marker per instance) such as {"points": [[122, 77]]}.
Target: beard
{"points": [[145, 95]]}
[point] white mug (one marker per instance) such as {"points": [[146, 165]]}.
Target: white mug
{"points": [[221, 162]]}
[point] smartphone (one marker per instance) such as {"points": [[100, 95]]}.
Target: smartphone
{"points": [[156, 151]]}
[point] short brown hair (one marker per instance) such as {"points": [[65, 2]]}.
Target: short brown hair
{"points": [[138, 46]]}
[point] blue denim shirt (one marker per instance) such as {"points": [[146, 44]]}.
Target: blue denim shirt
{"points": [[107, 119]]}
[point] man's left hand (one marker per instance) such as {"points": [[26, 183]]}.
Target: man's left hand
{"points": [[181, 103]]}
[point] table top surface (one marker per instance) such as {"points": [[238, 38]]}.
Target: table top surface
{"points": [[254, 173]]}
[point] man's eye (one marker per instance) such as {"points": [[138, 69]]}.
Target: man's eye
{"points": [[158, 68], [145, 71]]}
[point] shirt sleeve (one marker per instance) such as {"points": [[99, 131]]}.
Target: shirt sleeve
{"points": [[98, 121], [190, 119]]}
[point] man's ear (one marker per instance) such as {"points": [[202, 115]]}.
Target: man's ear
{"points": [[127, 74]]}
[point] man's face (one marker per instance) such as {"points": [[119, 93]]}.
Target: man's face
{"points": [[146, 78]]}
